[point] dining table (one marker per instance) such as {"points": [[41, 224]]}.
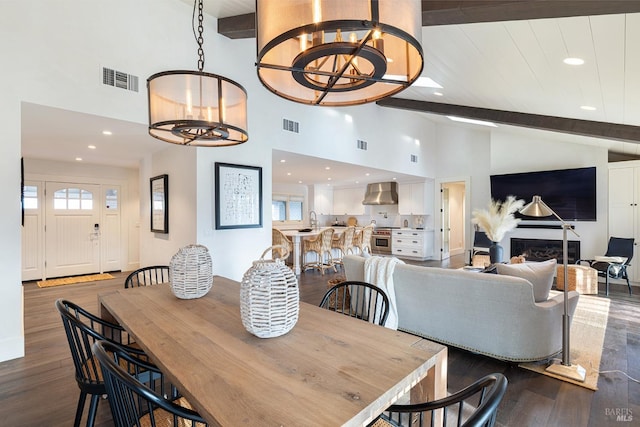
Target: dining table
{"points": [[328, 370]]}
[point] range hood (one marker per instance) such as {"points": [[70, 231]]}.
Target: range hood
{"points": [[381, 193]]}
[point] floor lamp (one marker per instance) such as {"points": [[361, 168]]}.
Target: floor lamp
{"points": [[538, 208]]}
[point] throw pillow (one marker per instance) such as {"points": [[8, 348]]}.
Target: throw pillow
{"points": [[540, 274]]}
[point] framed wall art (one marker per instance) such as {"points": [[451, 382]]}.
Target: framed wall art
{"points": [[238, 196], [160, 204]]}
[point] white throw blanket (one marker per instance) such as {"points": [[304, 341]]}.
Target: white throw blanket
{"points": [[379, 271]]}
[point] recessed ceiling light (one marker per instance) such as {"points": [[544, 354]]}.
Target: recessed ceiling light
{"points": [[299, 182], [283, 161], [573, 61], [367, 174], [91, 147], [426, 82], [288, 173], [327, 168], [472, 121], [394, 178], [329, 179], [588, 107], [107, 132], [78, 159], [438, 93]]}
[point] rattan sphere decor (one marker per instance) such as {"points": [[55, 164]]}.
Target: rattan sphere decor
{"points": [[269, 296], [190, 272]]}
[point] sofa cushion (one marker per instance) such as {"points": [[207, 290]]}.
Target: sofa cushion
{"points": [[540, 274]]}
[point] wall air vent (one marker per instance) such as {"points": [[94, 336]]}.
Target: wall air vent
{"points": [[119, 79], [414, 158], [290, 126], [362, 145]]}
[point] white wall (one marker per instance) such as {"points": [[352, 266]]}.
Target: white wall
{"points": [[56, 50], [478, 154]]}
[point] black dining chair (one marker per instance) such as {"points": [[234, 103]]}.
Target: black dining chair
{"points": [[83, 329], [138, 392], [147, 276], [474, 406], [358, 299], [617, 247]]}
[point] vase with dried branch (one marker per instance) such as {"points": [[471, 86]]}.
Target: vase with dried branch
{"points": [[496, 221]]}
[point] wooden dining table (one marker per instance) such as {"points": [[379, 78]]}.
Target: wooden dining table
{"points": [[329, 370]]}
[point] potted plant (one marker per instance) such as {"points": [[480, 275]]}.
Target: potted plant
{"points": [[496, 221]]}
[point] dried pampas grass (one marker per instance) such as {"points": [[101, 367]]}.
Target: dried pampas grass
{"points": [[498, 219]]}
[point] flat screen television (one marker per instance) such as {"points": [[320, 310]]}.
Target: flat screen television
{"points": [[571, 193]]}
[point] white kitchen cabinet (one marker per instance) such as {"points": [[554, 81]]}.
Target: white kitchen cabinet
{"points": [[415, 198], [624, 209], [348, 201], [322, 199], [415, 244]]}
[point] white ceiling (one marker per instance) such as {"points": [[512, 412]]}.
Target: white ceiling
{"points": [[513, 66]]}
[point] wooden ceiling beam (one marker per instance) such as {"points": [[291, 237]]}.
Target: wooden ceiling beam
{"points": [[450, 12], [613, 131]]}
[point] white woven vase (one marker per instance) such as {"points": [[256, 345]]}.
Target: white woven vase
{"points": [[269, 297], [190, 272]]}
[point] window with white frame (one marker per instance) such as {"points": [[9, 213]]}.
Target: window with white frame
{"points": [[30, 197], [73, 198], [287, 207]]}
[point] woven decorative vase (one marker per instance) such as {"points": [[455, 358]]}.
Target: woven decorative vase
{"points": [[269, 296], [190, 272]]}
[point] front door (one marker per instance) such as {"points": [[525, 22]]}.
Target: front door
{"points": [[72, 233]]}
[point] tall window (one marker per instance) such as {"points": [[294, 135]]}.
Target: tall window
{"points": [[285, 207], [30, 195]]}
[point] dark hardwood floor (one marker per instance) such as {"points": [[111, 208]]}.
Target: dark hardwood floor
{"points": [[40, 390]]}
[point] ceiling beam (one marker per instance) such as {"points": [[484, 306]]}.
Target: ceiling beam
{"points": [[613, 131], [449, 12]]}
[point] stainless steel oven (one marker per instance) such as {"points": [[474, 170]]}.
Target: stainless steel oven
{"points": [[381, 241]]}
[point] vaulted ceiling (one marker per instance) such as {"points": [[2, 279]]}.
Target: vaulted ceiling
{"points": [[502, 61]]}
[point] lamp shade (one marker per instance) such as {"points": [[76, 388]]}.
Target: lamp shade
{"points": [[536, 208], [197, 108], [337, 52]]}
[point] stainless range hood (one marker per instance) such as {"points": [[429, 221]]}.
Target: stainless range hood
{"points": [[381, 193]]}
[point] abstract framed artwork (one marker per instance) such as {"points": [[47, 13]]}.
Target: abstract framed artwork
{"points": [[160, 204], [238, 196]]}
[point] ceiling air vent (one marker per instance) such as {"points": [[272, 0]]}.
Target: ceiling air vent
{"points": [[119, 79], [414, 158], [362, 145], [290, 126]]}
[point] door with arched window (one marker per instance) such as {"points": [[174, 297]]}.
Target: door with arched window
{"points": [[72, 234]]}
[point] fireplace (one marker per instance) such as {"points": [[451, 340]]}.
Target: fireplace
{"points": [[544, 249]]}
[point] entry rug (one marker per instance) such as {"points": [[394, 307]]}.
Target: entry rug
{"points": [[588, 326], [73, 279]]}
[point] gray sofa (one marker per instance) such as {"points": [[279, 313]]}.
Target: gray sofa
{"points": [[491, 314]]}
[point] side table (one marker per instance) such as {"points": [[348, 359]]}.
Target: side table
{"points": [[580, 277]]}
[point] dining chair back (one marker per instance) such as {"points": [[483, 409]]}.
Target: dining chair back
{"points": [[138, 392], [147, 276], [361, 300], [473, 406], [83, 329]]}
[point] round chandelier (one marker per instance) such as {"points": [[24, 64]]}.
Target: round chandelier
{"points": [[337, 52], [194, 107]]}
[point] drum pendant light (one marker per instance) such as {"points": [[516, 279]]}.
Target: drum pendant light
{"points": [[336, 52], [194, 107]]}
